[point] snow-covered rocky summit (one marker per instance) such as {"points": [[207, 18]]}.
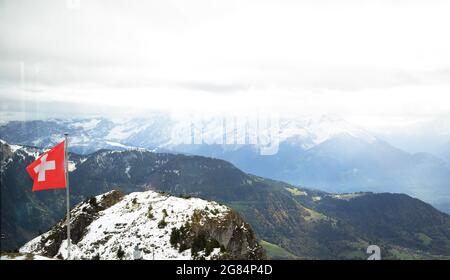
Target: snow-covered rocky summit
{"points": [[149, 225]]}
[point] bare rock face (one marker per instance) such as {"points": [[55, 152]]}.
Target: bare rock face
{"points": [[150, 225], [236, 237]]}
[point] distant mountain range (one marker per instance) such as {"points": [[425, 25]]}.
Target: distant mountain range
{"points": [[290, 222], [325, 153], [445, 152]]}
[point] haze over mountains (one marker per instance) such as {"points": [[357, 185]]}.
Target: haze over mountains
{"points": [[445, 151], [326, 153]]}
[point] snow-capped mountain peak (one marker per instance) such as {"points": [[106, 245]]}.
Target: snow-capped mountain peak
{"points": [[309, 132], [149, 225], [328, 126]]}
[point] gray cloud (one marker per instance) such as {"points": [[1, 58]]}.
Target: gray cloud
{"points": [[164, 52]]}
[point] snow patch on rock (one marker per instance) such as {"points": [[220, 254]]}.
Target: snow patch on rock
{"points": [[134, 222]]}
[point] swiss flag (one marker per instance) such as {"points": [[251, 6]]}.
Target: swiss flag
{"points": [[48, 170]]}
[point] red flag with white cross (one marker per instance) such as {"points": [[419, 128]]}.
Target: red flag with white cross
{"points": [[48, 171]]}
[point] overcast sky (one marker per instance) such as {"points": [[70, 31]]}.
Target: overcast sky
{"points": [[376, 63]]}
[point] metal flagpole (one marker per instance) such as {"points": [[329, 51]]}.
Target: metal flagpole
{"points": [[66, 167]]}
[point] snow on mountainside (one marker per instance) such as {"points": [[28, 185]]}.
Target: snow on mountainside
{"points": [[23, 151], [9, 151], [149, 225], [310, 132], [162, 131]]}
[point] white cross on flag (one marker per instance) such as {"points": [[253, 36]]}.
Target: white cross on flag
{"points": [[48, 170]]}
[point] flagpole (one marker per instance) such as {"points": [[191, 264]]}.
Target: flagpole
{"points": [[66, 165]]}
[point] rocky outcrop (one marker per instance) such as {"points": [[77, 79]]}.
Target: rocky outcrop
{"points": [[150, 225], [82, 216], [236, 237]]}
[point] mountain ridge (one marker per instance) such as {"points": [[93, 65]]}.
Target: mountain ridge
{"points": [[279, 214], [325, 152]]}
